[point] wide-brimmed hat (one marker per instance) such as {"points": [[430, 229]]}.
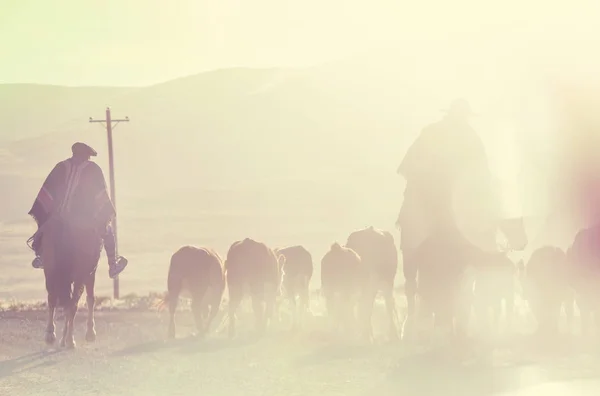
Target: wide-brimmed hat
{"points": [[460, 107], [83, 149]]}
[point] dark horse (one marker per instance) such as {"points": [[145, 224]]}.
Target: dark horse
{"points": [[438, 274], [70, 254]]}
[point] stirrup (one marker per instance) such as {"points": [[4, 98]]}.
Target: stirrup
{"points": [[37, 263], [118, 267]]}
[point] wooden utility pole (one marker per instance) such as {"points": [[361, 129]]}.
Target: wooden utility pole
{"points": [[111, 170]]}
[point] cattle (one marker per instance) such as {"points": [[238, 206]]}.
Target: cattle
{"points": [[341, 284], [252, 267], [296, 273], [496, 275], [584, 261], [379, 256], [495, 283], [199, 271], [546, 287]]}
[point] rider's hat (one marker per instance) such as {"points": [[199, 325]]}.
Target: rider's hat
{"points": [[83, 149], [460, 107]]}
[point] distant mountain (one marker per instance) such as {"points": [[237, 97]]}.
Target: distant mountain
{"points": [[347, 121]]}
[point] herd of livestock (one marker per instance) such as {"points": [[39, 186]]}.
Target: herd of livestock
{"points": [[354, 273]]}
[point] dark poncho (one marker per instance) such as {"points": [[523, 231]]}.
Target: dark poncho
{"points": [[77, 192]]}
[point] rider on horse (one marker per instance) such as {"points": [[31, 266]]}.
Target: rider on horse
{"points": [[76, 190], [444, 154]]}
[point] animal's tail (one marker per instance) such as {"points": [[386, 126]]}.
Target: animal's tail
{"points": [[160, 304], [174, 286]]}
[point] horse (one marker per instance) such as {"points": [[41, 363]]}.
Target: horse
{"points": [[547, 287], [70, 254], [439, 269], [584, 272]]}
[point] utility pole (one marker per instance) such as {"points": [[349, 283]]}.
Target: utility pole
{"points": [[111, 169]]}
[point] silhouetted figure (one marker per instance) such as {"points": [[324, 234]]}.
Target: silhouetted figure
{"points": [[443, 154], [66, 192]]}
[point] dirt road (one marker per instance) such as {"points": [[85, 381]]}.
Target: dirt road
{"points": [[130, 357]]}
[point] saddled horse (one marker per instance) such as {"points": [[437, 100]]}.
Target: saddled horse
{"points": [[439, 270], [70, 254]]}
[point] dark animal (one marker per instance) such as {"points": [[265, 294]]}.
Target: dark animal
{"points": [[296, 273], [379, 256], [546, 287], [254, 268], [495, 283], [341, 284], [70, 255], [584, 262], [443, 270], [496, 275], [199, 271]]}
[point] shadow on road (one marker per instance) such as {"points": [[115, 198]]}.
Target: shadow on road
{"points": [[19, 364], [154, 346], [498, 371], [188, 345]]}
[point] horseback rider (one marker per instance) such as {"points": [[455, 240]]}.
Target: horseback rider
{"points": [[75, 190], [445, 154]]}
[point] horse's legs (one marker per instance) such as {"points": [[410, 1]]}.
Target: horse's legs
{"points": [[50, 327], [71, 312], [68, 336], [90, 335], [510, 311], [569, 305], [50, 336], [67, 314]]}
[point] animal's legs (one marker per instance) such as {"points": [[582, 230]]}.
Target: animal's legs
{"points": [[258, 306], [50, 327], [90, 335], [390, 304], [235, 298], [198, 309]]}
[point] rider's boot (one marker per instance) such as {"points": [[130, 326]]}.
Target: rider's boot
{"points": [[116, 264]]}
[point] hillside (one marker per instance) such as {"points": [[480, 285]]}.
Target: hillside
{"points": [[283, 155]]}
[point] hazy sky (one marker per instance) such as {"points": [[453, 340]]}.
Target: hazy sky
{"points": [[138, 42]]}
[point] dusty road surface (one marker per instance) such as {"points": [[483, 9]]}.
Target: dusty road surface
{"points": [[130, 357]]}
